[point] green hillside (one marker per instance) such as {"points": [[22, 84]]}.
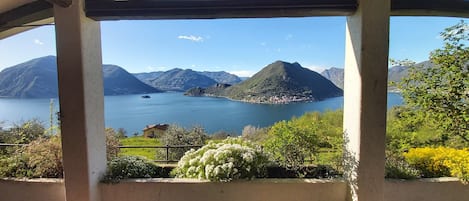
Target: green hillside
{"points": [[277, 83]]}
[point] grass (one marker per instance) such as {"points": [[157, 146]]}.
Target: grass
{"points": [[149, 153]]}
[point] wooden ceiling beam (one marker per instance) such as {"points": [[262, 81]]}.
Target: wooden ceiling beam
{"points": [[61, 3], [207, 9], [450, 8], [14, 21]]}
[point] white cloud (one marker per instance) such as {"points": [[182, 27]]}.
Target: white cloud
{"points": [[38, 42], [243, 73], [191, 38], [263, 44], [289, 37]]}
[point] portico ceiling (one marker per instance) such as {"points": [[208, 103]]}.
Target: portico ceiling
{"points": [[15, 14]]}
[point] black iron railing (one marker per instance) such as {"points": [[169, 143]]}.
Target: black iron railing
{"points": [[167, 158], [166, 147]]}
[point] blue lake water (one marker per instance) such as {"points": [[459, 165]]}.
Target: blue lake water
{"points": [[132, 112]]}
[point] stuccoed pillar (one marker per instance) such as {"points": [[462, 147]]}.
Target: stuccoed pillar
{"points": [[365, 95], [81, 101]]}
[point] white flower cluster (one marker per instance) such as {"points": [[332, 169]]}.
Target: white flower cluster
{"points": [[233, 158]]}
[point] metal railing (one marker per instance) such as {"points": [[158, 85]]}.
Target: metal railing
{"points": [[167, 147], [11, 145]]}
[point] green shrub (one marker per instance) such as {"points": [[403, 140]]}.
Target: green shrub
{"points": [[233, 158], [45, 157], [23, 133], [318, 172], [397, 168], [290, 143], [127, 167], [293, 142], [16, 166], [42, 158]]}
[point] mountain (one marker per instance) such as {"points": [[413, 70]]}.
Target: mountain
{"points": [[181, 80], [118, 81], [222, 77], [147, 77], [209, 91], [395, 74], [335, 75], [281, 82], [165, 83], [37, 78]]}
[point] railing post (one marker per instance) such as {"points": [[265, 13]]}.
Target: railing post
{"points": [[167, 153]]}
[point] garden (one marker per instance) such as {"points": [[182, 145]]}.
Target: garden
{"points": [[427, 137]]}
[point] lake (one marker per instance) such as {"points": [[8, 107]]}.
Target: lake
{"points": [[132, 112]]}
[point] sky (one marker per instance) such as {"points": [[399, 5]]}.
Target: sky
{"points": [[238, 46]]}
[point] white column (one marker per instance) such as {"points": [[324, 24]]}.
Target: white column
{"points": [[365, 94], [81, 101]]}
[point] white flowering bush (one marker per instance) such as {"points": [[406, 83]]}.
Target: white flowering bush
{"points": [[230, 159]]}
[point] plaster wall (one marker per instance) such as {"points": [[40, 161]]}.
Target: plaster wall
{"points": [[32, 190], [439, 189]]}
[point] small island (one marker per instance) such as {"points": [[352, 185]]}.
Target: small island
{"points": [[278, 83]]}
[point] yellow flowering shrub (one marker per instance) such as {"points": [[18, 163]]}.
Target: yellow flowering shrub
{"points": [[440, 161], [458, 163]]}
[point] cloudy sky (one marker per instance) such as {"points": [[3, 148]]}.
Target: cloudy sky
{"points": [[239, 46]]}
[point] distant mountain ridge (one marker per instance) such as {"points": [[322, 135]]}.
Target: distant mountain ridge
{"points": [[37, 78], [222, 77], [277, 83], [118, 81], [183, 79], [147, 77], [395, 74], [335, 75]]}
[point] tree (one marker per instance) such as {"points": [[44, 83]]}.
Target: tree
{"points": [[176, 135], [441, 92], [255, 134], [27, 132], [112, 143], [121, 133], [290, 143]]}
